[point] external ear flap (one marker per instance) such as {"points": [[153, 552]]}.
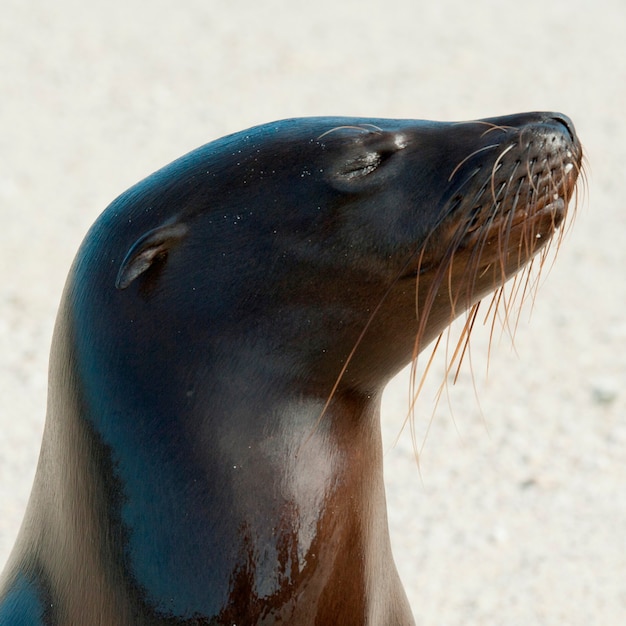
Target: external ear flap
{"points": [[154, 245]]}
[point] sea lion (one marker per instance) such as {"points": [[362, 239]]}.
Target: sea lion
{"points": [[212, 449]]}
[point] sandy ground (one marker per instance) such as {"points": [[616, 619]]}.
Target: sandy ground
{"points": [[519, 513]]}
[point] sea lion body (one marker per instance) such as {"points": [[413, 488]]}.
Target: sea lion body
{"points": [[212, 450]]}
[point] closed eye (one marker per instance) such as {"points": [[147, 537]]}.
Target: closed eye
{"points": [[361, 166], [365, 164]]}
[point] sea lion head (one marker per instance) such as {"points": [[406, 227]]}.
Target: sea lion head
{"points": [[327, 227]]}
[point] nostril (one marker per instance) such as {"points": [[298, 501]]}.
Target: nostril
{"points": [[565, 121]]}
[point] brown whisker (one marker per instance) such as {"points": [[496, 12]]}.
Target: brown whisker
{"points": [[490, 243], [469, 156]]}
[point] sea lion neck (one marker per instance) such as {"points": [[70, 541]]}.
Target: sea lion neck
{"points": [[260, 480]]}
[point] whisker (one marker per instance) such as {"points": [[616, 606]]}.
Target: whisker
{"points": [[469, 156], [365, 128], [505, 235]]}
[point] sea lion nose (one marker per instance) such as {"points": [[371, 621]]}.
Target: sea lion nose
{"points": [[562, 119]]}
